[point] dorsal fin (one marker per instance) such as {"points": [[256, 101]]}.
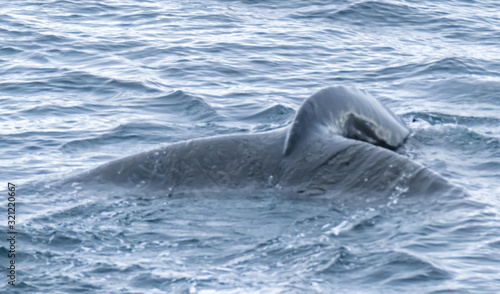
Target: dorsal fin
{"points": [[348, 112]]}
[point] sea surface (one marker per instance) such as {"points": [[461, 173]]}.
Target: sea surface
{"points": [[83, 83]]}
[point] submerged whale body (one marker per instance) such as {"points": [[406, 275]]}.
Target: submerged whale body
{"points": [[341, 139]]}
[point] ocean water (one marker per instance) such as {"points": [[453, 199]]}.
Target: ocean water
{"points": [[85, 82]]}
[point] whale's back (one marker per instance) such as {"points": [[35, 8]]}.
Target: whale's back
{"points": [[333, 145], [228, 161]]}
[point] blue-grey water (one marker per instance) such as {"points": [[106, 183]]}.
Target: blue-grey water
{"points": [[86, 82]]}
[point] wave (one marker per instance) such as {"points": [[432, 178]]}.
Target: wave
{"points": [[370, 11], [180, 103]]}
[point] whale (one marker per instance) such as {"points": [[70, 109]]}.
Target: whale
{"points": [[341, 140]]}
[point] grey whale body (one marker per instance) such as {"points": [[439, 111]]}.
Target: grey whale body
{"points": [[340, 140]]}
